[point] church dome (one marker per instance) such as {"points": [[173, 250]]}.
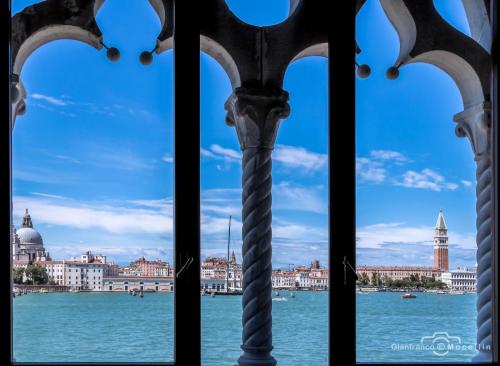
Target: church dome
{"points": [[29, 235]]}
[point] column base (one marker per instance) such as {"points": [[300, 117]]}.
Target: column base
{"points": [[483, 357], [256, 359]]}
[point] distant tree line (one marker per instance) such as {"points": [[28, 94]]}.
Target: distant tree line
{"points": [[413, 281], [33, 274]]}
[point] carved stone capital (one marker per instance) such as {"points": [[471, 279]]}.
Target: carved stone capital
{"points": [[475, 123], [256, 114], [18, 98]]}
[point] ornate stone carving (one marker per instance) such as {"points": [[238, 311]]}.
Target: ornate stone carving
{"points": [[256, 114], [475, 124], [426, 37], [48, 21], [250, 55]]}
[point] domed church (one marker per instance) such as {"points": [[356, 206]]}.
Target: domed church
{"points": [[27, 243]]}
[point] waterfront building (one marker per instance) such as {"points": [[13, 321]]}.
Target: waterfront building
{"points": [[144, 268], [27, 243], [283, 279], [71, 273], [301, 278], [319, 279], [139, 283], [439, 267], [214, 269], [84, 273], [213, 284], [461, 279], [398, 272]]}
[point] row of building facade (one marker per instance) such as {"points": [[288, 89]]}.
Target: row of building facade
{"points": [[460, 279], [96, 273]]}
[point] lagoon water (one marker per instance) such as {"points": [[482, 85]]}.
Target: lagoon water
{"points": [[117, 327]]}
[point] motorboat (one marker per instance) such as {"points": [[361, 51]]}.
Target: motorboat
{"points": [[408, 296]]}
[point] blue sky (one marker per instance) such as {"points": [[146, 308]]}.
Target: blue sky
{"points": [[92, 156]]}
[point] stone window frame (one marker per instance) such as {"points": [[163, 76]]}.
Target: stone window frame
{"points": [[480, 115]]}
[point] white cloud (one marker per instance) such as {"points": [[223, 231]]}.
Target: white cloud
{"points": [[373, 168], [68, 158], [299, 157], [168, 159], [287, 196], [426, 179], [370, 170], [466, 183], [294, 157], [52, 100], [123, 159], [46, 195], [206, 153], [388, 155], [225, 153], [111, 218], [379, 235]]}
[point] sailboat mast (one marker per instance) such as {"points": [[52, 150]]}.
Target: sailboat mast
{"points": [[227, 262]]}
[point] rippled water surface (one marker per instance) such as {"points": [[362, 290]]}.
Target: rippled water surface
{"points": [[108, 327]]}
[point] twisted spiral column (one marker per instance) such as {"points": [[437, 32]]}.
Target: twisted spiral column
{"points": [[484, 222], [256, 114], [475, 123], [257, 268]]}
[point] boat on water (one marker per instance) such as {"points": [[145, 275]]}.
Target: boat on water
{"points": [[368, 289], [73, 290], [142, 294], [277, 294], [280, 299], [408, 296], [457, 292], [228, 293], [292, 295], [44, 291]]}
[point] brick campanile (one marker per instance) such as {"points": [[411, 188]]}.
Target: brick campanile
{"points": [[441, 244]]}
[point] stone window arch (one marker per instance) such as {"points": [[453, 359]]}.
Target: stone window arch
{"points": [[255, 59]]}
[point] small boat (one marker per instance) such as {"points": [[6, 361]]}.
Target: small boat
{"points": [[408, 296], [142, 294], [44, 291], [276, 293], [292, 295], [134, 293], [213, 294], [280, 299], [203, 293]]}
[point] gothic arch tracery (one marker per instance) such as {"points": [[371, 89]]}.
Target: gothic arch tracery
{"points": [[45, 22], [426, 37], [256, 59]]}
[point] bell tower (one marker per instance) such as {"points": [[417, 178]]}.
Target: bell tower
{"points": [[441, 244]]}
